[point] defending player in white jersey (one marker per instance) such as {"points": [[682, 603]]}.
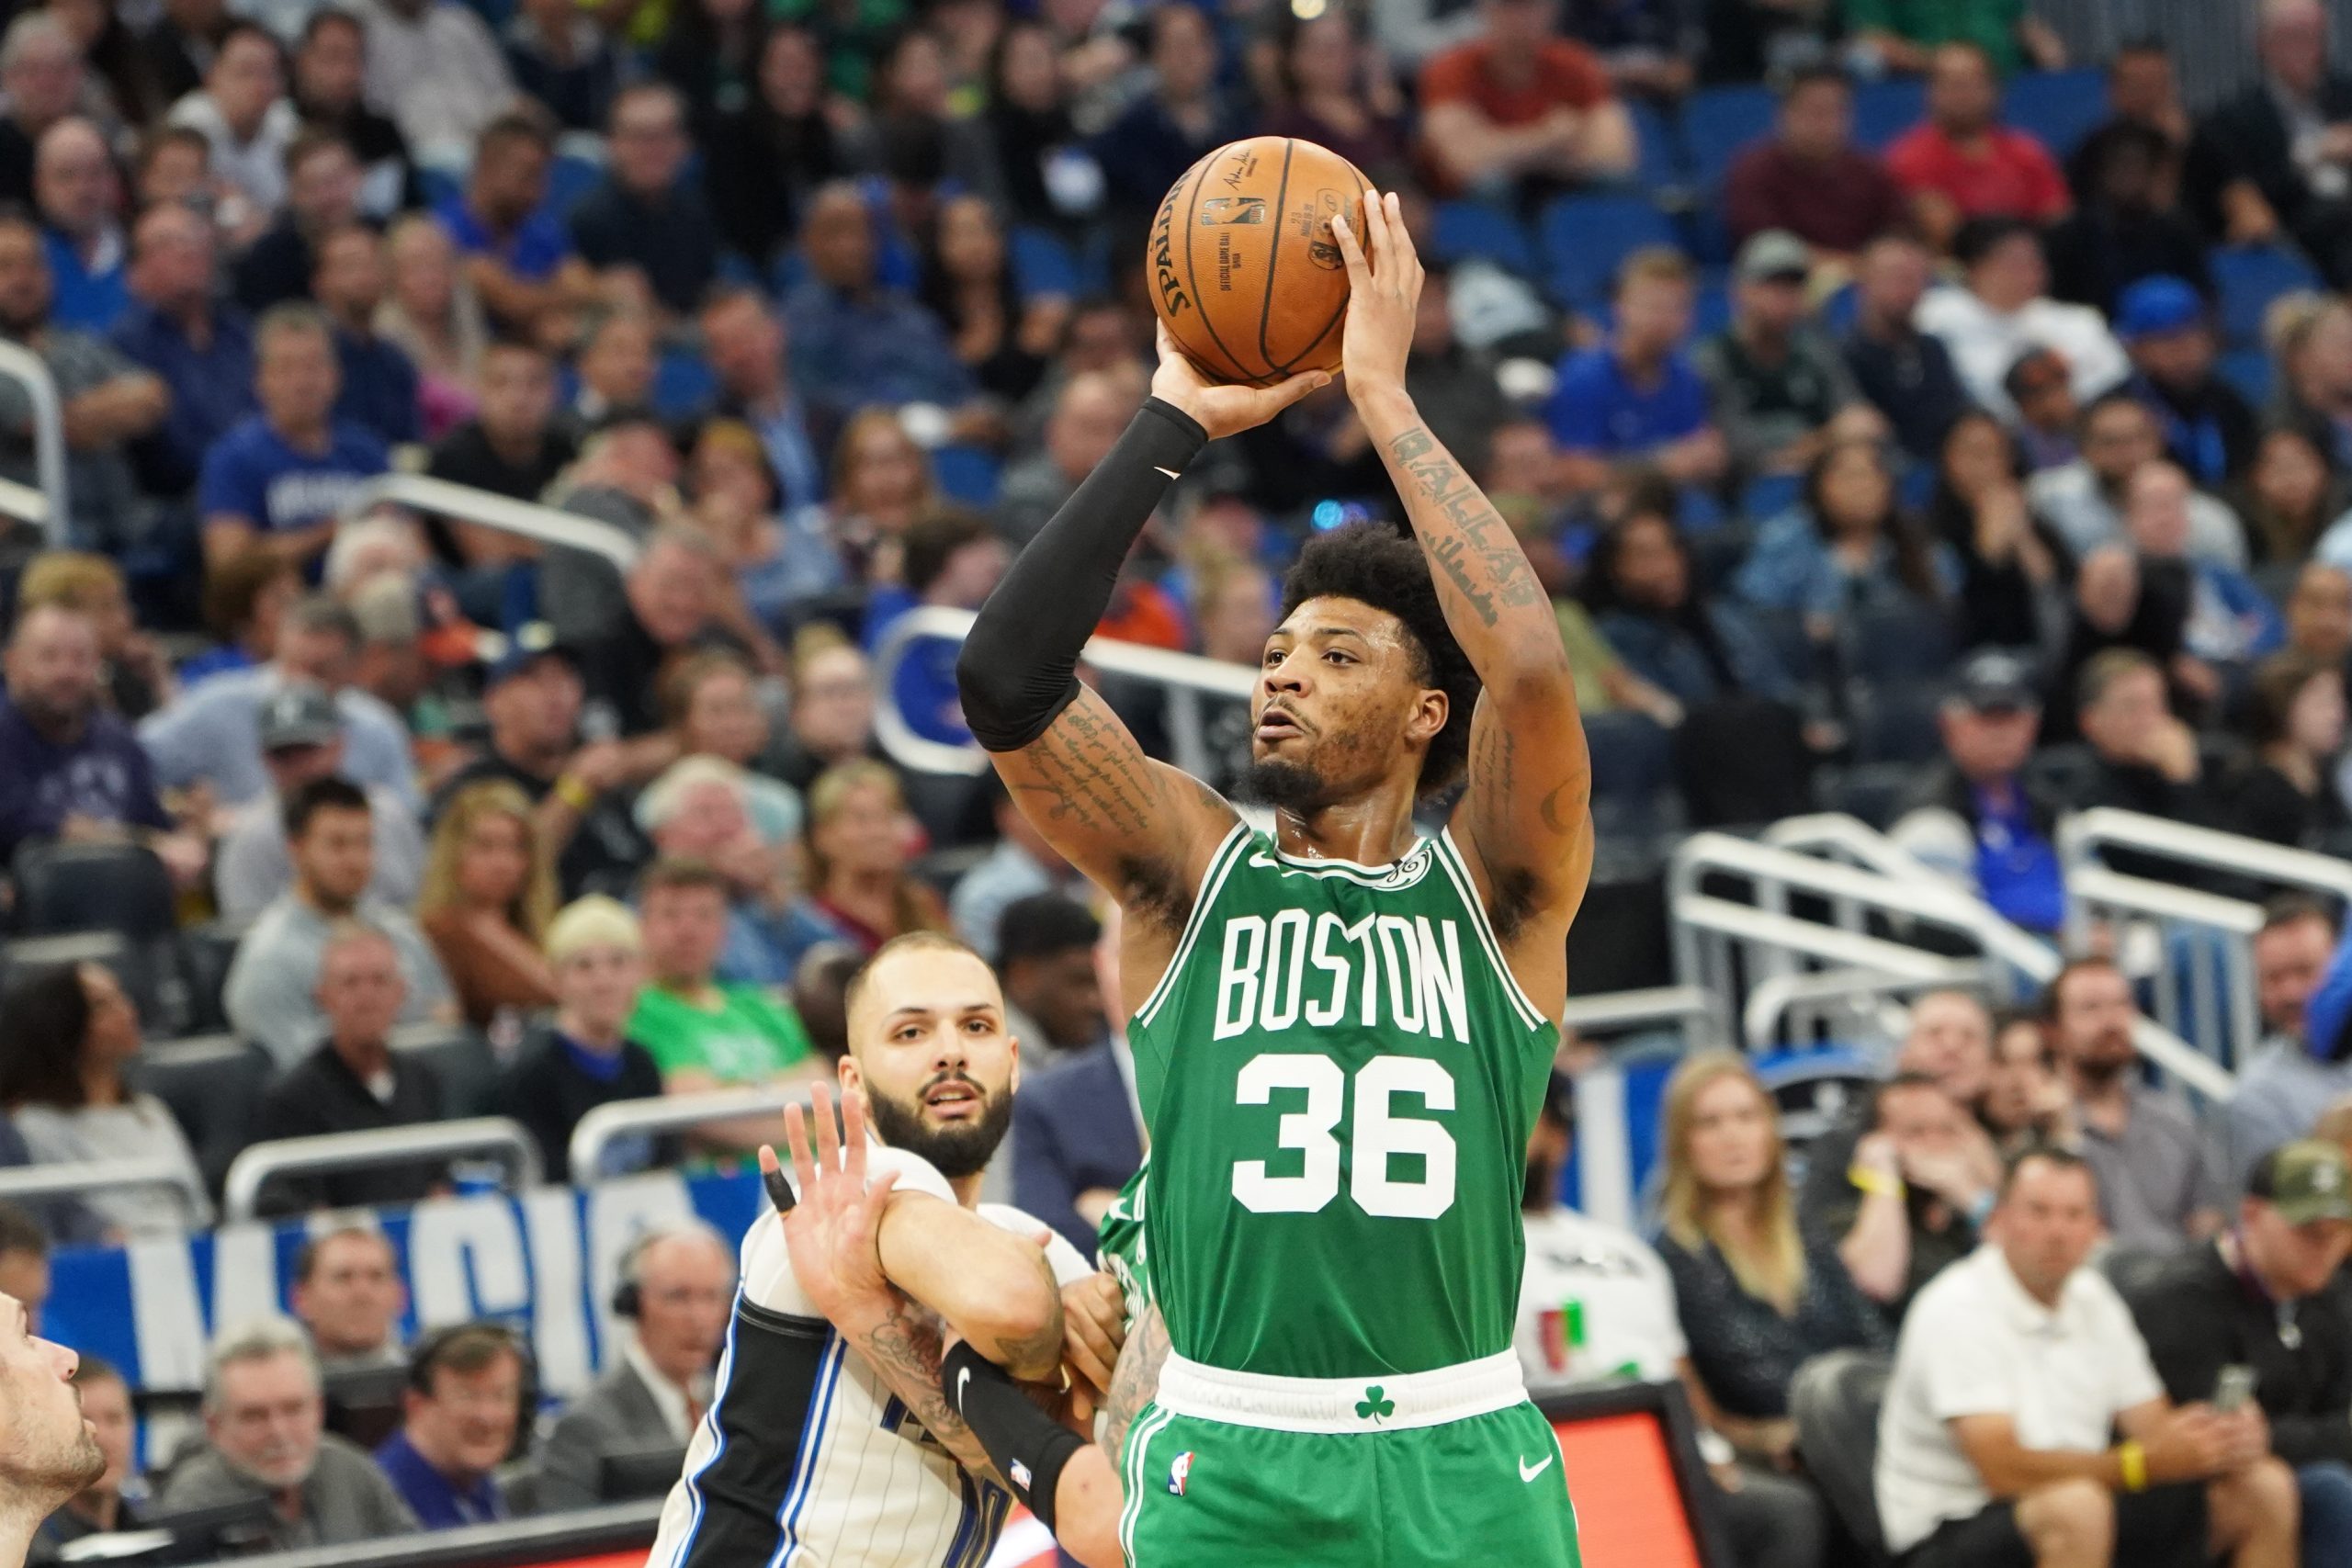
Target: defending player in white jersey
{"points": [[827, 1443]]}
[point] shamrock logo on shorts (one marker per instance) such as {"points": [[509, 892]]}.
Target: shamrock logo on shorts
{"points": [[1374, 1406]]}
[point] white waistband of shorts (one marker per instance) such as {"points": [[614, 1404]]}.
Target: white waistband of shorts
{"points": [[1381, 1402]]}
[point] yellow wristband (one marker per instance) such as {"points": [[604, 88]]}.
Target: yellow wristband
{"points": [[1872, 1181], [575, 794], [2132, 1459]]}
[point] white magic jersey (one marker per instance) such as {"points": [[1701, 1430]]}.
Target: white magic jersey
{"points": [[806, 1460]]}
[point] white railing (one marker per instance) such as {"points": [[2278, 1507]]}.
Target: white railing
{"points": [[1707, 930], [79, 1178], [1186, 676], [2196, 948], [2083, 835], [1612, 1010], [335, 1152], [547, 524], [47, 506], [606, 1124], [1789, 1008]]}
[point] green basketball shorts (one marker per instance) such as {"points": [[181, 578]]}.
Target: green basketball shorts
{"points": [[1423, 1471]]}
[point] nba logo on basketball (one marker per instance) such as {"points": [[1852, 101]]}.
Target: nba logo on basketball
{"points": [[1180, 1471]]}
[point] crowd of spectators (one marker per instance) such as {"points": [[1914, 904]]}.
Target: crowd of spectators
{"points": [[1961, 470]]}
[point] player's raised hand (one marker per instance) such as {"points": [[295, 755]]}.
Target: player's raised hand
{"points": [[1385, 292], [1221, 410], [832, 1232]]}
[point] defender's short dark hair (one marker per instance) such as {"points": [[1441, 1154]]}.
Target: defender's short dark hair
{"points": [[1041, 926], [1375, 564], [329, 794]]}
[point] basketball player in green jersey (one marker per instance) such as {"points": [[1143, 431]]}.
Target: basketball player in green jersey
{"points": [[1342, 1030]]}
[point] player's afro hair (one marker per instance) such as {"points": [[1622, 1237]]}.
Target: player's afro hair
{"points": [[1378, 565]]}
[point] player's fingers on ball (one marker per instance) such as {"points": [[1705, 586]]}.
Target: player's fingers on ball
{"points": [[1351, 251]]}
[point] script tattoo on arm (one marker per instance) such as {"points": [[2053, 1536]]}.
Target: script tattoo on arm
{"points": [[1133, 1381], [904, 1347], [1466, 540]]}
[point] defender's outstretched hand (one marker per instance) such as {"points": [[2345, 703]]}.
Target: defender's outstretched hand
{"points": [[833, 1232], [1221, 410], [1385, 288]]}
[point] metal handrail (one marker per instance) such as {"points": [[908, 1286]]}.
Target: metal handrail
{"points": [[1655, 1004], [667, 1113], [2084, 834], [1822, 831], [377, 1147], [79, 1178], [49, 507], [1770, 999], [1180, 672], [547, 524]]}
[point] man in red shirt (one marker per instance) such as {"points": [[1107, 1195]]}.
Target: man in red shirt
{"points": [[1962, 164], [1517, 110], [1809, 179]]}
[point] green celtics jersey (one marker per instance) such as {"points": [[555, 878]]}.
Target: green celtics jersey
{"points": [[1340, 1075], [1119, 1244]]}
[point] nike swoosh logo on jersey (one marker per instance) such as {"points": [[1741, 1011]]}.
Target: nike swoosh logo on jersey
{"points": [[1526, 1472], [963, 1379]]}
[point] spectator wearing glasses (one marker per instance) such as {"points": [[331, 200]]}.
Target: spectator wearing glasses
{"points": [[2016, 1368], [348, 1293], [264, 1420], [643, 220], [459, 1416], [2268, 1294]]}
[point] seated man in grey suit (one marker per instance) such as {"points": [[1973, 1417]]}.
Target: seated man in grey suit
{"points": [[676, 1289]]}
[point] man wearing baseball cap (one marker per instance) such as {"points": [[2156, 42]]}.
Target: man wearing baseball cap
{"points": [[2168, 330], [2268, 1296], [1777, 382], [302, 739], [1973, 817]]}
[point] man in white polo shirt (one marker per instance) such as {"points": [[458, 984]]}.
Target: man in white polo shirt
{"points": [[2018, 1369]]}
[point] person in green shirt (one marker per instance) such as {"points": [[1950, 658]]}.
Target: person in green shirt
{"points": [[702, 1033], [1904, 33]]}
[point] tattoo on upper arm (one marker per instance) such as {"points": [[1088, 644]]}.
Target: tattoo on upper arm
{"points": [[1094, 774], [1481, 559], [1135, 1380]]}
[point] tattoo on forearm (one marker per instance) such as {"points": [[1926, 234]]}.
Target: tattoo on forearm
{"points": [[1479, 557], [1135, 1380], [905, 1348]]}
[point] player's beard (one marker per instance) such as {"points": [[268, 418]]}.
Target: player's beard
{"points": [[1284, 785], [962, 1150]]}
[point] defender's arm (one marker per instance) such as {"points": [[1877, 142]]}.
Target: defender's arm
{"points": [[1136, 827], [1526, 820]]}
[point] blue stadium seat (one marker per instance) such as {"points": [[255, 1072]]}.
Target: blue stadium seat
{"points": [[967, 475], [569, 178], [1769, 495], [1711, 312], [683, 383], [1718, 123], [2252, 278], [2061, 107], [1042, 265], [1465, 230], [1885, 110], [2249, 370], [1585, 238], [1658, 150]]}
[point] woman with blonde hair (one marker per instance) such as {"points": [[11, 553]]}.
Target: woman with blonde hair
{"points": [[582, 1057], [488, 897], [1756, 1297], [861, 843]]}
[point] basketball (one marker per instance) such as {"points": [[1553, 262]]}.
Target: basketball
{"points": [[1243, 265]]}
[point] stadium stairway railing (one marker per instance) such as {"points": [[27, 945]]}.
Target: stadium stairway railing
{"points": [[45, 504], [1805, 910], [330, 1153]]}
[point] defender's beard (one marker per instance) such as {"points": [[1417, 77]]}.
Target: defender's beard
{"points": [[958, 1150]]}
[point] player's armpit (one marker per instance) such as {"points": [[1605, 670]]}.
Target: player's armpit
{"points": [[994, 1289], [1142, 829]]}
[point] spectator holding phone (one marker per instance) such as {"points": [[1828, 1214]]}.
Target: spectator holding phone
{"points": [[2257, 1316]]}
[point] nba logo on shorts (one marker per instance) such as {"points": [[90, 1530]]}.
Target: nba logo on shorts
{"points": [[1180, 1471]]}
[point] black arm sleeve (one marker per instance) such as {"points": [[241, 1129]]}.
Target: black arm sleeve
{"points": [[1019, 667]]}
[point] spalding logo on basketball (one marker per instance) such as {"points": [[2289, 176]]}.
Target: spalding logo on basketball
{"points": [[1243, 265]]}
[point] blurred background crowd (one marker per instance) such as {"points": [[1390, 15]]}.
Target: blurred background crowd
{"points": [[1938, 411]]}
